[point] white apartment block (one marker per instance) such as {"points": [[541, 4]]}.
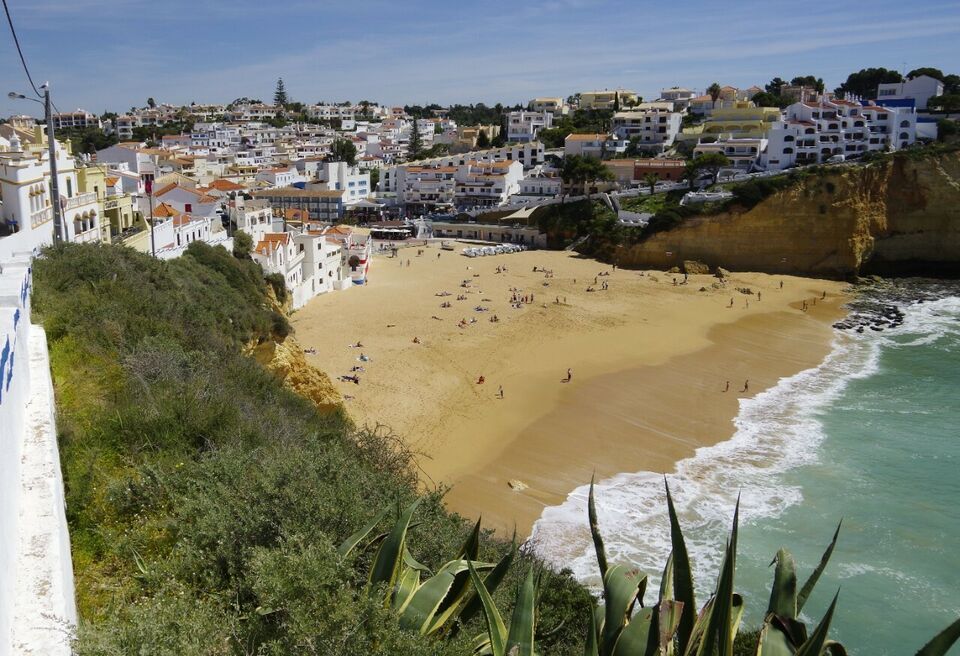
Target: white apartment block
{"points": [[334, 176], [525, 126], [812, 133], [744, 153], [556, 106], [654, 129], [26, 215], [438, 184], [679, 96], [598, 146], [919, 89], [280, 176], [77, 119]]}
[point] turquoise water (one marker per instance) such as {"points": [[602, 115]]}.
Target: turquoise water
{"points": [[871, 436]]}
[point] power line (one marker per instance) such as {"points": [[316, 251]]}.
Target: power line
{"points": [[23, 61]]}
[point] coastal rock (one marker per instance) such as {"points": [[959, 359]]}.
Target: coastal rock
{"points": [[675, 269], [517, 485], [722, 273], [693, 267], [897, 216], [287, 362]]}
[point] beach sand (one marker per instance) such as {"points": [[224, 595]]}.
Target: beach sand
{"points": [[650, 361]]}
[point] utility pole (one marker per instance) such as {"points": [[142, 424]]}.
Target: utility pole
{"points": [[59, 234], [148, 187]]}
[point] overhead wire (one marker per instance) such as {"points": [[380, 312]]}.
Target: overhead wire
{"points": [[16, 42]]}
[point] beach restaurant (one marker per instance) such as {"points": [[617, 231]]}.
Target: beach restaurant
{"points": [[392, 230], [515, 234]]}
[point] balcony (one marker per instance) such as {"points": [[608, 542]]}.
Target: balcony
{"points": [[80, 200]]}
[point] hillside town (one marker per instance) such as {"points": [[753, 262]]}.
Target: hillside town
{"points": [[289, 183]]}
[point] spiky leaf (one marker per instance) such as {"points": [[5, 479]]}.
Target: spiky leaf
{"points": [[666, 580], [591, 645], [595, 532], [351, 542], [407, 584], [815, 643], [496, 630], [783, 594], [815, 576], [941, 643], [621, 588], [717, 634], [682, 577], [491, 582], [520, 637], [386, 566], [640, 635], [774, 642]]}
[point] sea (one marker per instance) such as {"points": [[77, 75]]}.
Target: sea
{"points": [[869, 438]]}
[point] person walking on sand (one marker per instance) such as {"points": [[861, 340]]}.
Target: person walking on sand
{"points": [[569, 375], [731, 302], [500, 391], [727, 387], [758, 296], [781, 284], [746, 386]]}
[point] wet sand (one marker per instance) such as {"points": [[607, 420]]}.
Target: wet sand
{"points": [[650, 361]]}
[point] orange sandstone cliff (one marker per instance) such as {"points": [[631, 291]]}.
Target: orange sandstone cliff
{"points": [[900, 216]]}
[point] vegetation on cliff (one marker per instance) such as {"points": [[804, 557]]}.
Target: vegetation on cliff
{"points": [[205, 499]]}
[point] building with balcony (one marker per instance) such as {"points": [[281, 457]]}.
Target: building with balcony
{"points": [[525, 126], [679, 96], [326, 206], [917, 90], [615, 99], [742, 120], [599, 146], [652, 129], [556, 106], [79, 119], [744, 153]]}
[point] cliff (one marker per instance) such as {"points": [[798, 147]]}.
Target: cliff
{"points": [[287, 362], [899, 216]]}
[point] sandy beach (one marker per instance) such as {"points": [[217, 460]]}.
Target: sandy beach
{"points": [[650, 361]]}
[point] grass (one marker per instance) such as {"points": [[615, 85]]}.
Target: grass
{"points": [[203, 498]]}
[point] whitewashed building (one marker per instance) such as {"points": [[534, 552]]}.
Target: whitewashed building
{"points": [[525, 126]]}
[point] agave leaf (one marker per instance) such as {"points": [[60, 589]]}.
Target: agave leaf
{"points": [[639, 635], [595, 532], [682, 577], [815, 576], [941, 643], [717, 635], [738, 608], [496, 631], [481, 644], [471, 546], [461, 583], [386, 566], [590, 646], [351, 542], [834, 648], [815, 643], [407, 584], [492, 581], [783, 593], [666, 580], [450, 604], [421, 612], [695, 645], [774, 642], [520, 637], [413, 563], [621, 587], [668, 619]]}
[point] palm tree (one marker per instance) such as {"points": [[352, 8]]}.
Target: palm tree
{"points": [[714, 92], [651, 180]]}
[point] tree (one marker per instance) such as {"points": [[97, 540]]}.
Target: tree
{"points": [[242, 245], [343, 150], [951, 84], [773, 87], [714, 92], [280, 98], [947, 129], [864, 82], [808, 81], [616, 101], [415, 147], [151, 103], [765, 99], [944, 103], [374, 179], [577, 171], [707, 163], [935, 73], [651, 180], [483, 141]]}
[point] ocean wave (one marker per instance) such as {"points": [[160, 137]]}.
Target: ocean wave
{"points": [[927, 322], [777, 430]]}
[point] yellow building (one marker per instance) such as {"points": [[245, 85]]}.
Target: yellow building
{"points": [[607, 99], [116, 208], [742, 120]]}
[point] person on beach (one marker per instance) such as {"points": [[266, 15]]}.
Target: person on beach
{"points": [[781, 284], [500, 391], [731, 302], [569, 375], [804, 308], [746, 385], [727, 387], [824, 295], [416, 340], [481, 380], [758, 296]]}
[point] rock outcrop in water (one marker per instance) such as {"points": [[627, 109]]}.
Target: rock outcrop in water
{"points": [[896, 217]]}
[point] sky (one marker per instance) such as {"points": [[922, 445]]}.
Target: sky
{"points": [[110, 55]]}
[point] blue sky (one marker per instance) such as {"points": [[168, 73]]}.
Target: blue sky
{"points": [[112, 54]]}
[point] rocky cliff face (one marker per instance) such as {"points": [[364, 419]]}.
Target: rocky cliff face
{"points": [[286, 360], [896, 217]]}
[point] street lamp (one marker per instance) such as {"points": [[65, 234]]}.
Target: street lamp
{"points": [[59, 235]]}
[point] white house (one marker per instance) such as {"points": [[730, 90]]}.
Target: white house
{"points": [[525, 126], [653, 129], [334, 176], [918, 89], [597, 146], [280, 176]]}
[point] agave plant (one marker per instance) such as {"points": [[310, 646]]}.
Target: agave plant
{"points": [[440, 603], [519, 639]]}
